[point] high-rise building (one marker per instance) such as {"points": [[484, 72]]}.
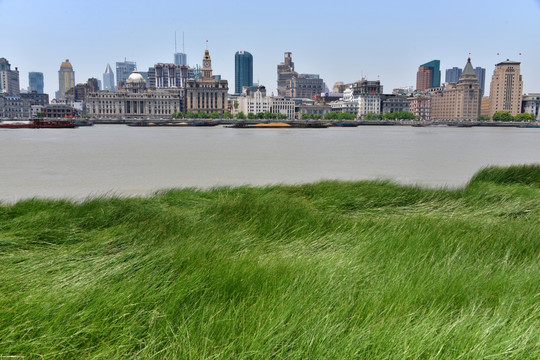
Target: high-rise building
{"points": [[481, 75], [66, 79], [167, 76], [292, 84], [452, 75], [9, 79], [243, 70], [506, 89], [108, 78], [458, 101], [35, 82], [428, 75], [123, 70], [180, 59]]}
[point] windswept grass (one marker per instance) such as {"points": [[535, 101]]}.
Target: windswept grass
{"points": [[333, 270]]}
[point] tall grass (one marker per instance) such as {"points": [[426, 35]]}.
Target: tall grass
{"points": [[330, 270]]}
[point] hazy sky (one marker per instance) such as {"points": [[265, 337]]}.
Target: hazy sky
{"points": [[340, 40]]}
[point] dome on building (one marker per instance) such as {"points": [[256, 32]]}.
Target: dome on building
{"points": [[66, 64], [135, 77]]}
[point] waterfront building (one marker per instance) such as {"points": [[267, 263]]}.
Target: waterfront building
{"points": [[481, 75], [484, 106], [123, 71], [420, 105], [254, 102], [108, 79], [505, 93], [35, 98], [14, 107], [531, 104], [345, 107], [292, 84], [428, 75], [66, 79], [134, 101], [405, 90], [394, 103], [243, 70], [458, 101], [9, 79], [452, 75], [312, 108], [35, 82], [367, 94], [207, 94], [57, 111], [282, 105]]}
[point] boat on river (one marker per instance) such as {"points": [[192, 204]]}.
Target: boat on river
{"points": [[38, 124]]}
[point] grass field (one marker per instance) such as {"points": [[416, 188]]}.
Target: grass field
{"points": [[332, 270]]}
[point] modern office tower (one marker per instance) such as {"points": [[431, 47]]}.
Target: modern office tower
{"points": [[35, 82], [481, 75], [167, 76], [458, 101], [108, 78], [206, 94], [452, 75], [292, 84], [9, 79], [243, 70], [123, 70], [66, 79], [180, 59], [428, 75], [505, 92]]}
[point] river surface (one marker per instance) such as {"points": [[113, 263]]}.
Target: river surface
{"points": [[122, 160]]}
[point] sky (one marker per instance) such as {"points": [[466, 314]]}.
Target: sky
{"points": [[340, 40]]}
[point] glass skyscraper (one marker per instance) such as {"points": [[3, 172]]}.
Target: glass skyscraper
{"points": [[108, 78], [453, 74], [180, 59], [123, 70], [35, 82], [481, 75], [243, 75]]}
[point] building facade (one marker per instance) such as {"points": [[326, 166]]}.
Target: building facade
{"points": [[254, 102], [66, 79], [366, 94], [207, 94], [35, 98], [505, 93], [243, 70], [391, 103], [420, 105], [452, 75], [481, 75], [123, 71], [108, 78], [35, 82], [531, 105], [134, 101], [458, 101], [14, 107], [167, 76], [9, 79], [428, 75], [283, 105], [292, 84], [180, 59]]}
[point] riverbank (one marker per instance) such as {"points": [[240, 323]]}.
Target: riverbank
{"points": [[336, 270]]}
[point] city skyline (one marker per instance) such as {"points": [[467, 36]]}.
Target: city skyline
{"points": [[341, 50]]}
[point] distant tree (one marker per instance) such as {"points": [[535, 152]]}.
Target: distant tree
{"points": [[191, 115], [202, 115], [524, 117], [39, 114], [502, 116], [283, 116], [236, 104], [483, 118], [371, 116], [260, 115], [214, 115], [251, 116], [241, 116], [227, 115]]}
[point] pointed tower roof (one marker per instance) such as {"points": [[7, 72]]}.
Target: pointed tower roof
{"points": [[108, 69], [468, 73]]}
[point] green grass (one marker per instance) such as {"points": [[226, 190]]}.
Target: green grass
{"points": [[333, 270]]}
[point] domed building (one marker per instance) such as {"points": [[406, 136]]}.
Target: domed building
{"points": [[134, 101]]}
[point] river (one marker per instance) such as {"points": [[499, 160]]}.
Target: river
{"points": [[122, 160]]}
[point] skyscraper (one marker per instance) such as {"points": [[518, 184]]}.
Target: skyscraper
{"points": [[243, 70], [452, 75], [108, 78], [506, 90], [481, 75], [180, 59], [66, 79], [9, 79], [123, 70], [35, 82], [428, 75]]}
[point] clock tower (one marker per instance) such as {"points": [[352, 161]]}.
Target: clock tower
{"points": [[207, 67]]}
